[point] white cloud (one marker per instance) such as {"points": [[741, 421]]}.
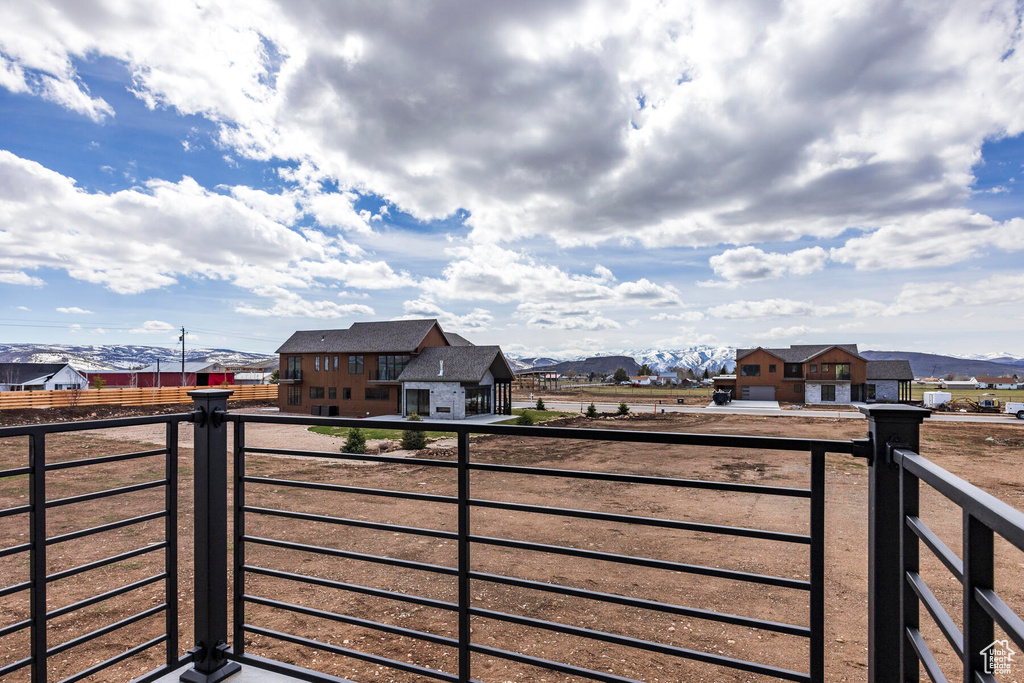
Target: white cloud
{"points": [[925, 297], [768, 308], [685, 316], [794, 333], [73, 309], [17, 277], [290, 305], [153, 327], [478, 319], [23, 308], [750, 264], [554, 316]]}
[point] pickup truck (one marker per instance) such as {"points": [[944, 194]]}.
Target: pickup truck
{"points": [[1015, 407]]}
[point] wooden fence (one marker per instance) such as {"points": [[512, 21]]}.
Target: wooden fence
{"points": [[124, 396]]}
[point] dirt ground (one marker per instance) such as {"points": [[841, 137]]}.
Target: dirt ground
{"points": [[987, 455]]}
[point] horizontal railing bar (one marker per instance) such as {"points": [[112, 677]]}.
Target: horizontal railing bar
{"points": [[352, 587], [74, 642], [106, 527], [924, 654], [1007, 619], [334, 552], [105, 494], [15, 549], [629, 436], [14, 628], [353, 621], [646, 645], [14, 666], [89, 425], [645, 479], [285, 669], [9, 590], [953, 563], [645, 521], [434, 533], [67, 609], [613, 598], [647, 562], [560, 667], [986, 508], [13, 472], [426, 462], [115, 659], [20, 510], [384, 493], [938, 612], [104, 459], [355, 654], [103, 563]]}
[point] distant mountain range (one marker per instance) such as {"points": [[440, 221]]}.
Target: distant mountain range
{"points": [[697, 358], [121, 357]]}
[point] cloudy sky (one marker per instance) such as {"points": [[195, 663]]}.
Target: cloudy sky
{"points": [[551, 176]]}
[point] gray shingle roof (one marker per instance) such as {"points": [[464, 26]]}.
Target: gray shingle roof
{"points": [[373, 337], [19, 373], [800, 353], [457, 339], [889, 369], [461, 364]]}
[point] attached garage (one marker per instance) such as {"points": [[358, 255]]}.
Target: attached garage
{"points": [[756, 393]]}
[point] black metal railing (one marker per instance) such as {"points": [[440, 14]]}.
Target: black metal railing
{"points": [[984, 516], [463, 503], [38, 579]]}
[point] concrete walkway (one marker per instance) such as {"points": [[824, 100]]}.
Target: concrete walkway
{"points": [[475, 420]]}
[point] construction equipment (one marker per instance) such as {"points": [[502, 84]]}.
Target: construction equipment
{"points": [[986, 403]]}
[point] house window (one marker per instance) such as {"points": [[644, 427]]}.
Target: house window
{"points": [[771, 369], [417, 401], [316, 363], [316, 392], [293, 367], [332, 393], [389, 367], [842, 371], [294, 396], [335, 363], [814, 368], [355, 365], [750, 370], [793, 370], [478, 400], [377, 393], [346, 394], [871, 392], [824, 367], [828, 392], [798, 388]]}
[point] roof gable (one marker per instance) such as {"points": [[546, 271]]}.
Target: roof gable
{"points": [[371, 337], [20, 373], [456, 364], [889, 369]]}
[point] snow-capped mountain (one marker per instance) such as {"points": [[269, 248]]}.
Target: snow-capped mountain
{"points": [[996, 357], [122, 356], [697, 358]]}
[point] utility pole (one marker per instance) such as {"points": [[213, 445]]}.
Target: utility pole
{"points": [[182, 339]]}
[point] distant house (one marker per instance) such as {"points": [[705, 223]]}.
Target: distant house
{"points": [[668, 379], [642, 380], [168, 374], [394, 367], [40, 376], [828, 374], [997, 383]]}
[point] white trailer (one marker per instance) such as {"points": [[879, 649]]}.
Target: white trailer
{"points": [[1015, 408], [934, 399]]}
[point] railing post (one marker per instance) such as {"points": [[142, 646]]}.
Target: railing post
{"points": [[887, 425], [210, 663]]}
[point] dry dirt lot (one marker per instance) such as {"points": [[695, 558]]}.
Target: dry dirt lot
{"points": [[987, 455]]}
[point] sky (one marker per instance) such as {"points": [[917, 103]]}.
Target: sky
{"points": [[555, 177]]}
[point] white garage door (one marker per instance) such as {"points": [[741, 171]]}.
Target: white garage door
{"points": [[761, 394]]}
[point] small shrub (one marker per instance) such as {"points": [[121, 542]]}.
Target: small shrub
{"points": [[540, 404], [623, 409], [414, 417], [525, 419], [98, 382], [413, 440], [355, 443], [591, 410]]}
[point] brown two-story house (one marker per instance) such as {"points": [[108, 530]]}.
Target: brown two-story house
{"points": [[357, 372], [815, 373]]}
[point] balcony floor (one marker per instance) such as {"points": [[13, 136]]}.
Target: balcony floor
{"points": [[248, 674]]}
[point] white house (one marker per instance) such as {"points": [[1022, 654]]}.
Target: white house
{"points": [[453, 382], [668, 378], [997, 383], [40, 376], [971, 383]]}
